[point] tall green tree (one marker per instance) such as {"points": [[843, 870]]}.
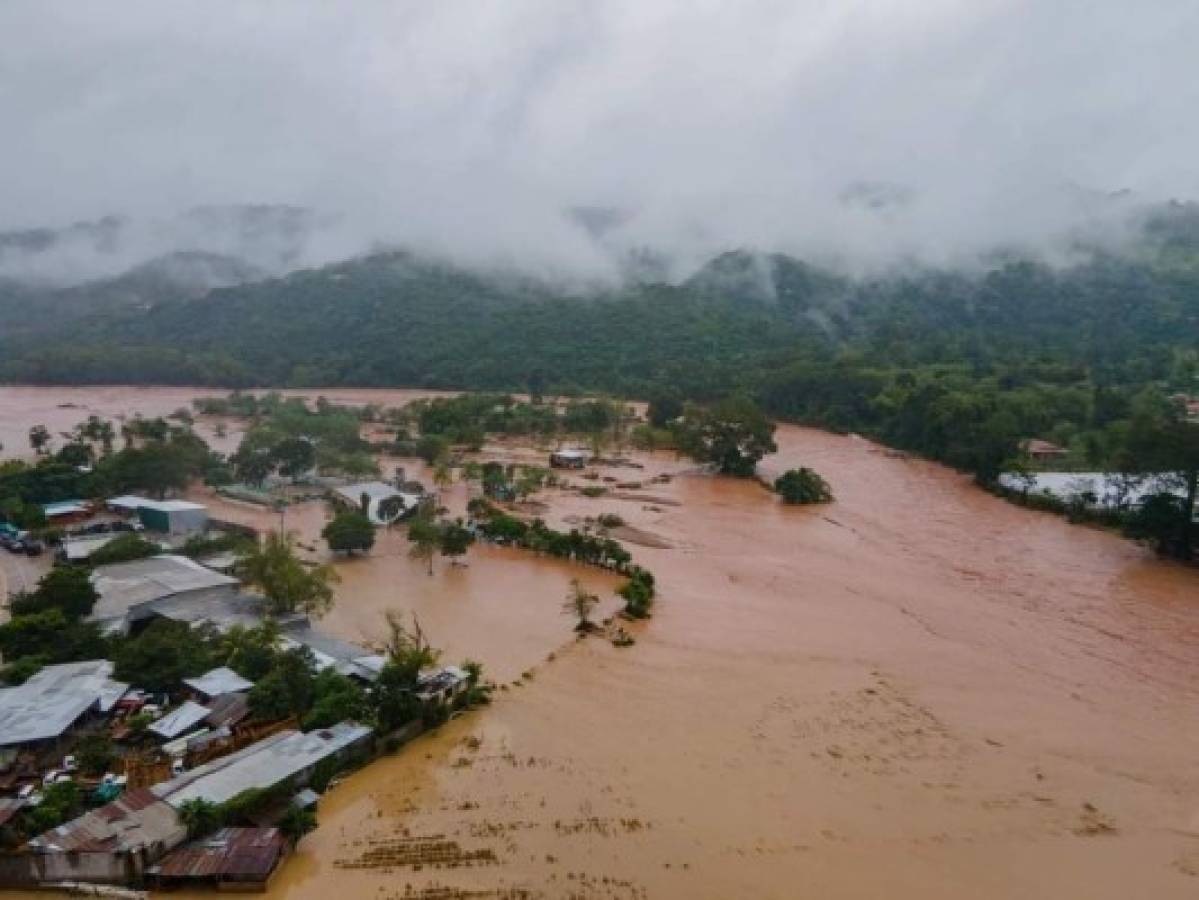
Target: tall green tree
{"points": [[733, 435], [288, 585], [349, 531]]}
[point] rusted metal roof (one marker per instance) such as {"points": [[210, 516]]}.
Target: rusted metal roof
{"points": [[240, 854], [135, 819], [227, 709]]}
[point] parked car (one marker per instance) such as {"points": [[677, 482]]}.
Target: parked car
{"points": [[34, 548], [15, 545]]}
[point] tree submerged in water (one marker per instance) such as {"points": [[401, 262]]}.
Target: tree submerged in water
{"points": [[579, 603], [802, 485], [287, 583], [733, 435]]}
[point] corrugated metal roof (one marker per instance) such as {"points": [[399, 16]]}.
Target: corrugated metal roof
{"points": [[222, 680], [178, 720], [243, 854], [261, 765], [228, 709], [53, 699], [127, 587], [135, 819]]}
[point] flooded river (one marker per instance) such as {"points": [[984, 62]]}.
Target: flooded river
{"points": [[918, 691]]}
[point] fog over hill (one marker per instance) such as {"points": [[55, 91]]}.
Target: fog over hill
{"points": [[586, 139]]}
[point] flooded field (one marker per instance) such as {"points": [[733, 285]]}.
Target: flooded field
{"points": [[918, 691]]}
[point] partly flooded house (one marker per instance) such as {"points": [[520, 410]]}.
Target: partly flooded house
{"points": [[113, 844], [568, 459], [382, 503], [231, 859]]}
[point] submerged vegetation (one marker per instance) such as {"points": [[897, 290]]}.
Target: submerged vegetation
{"points": [[802, 485]]}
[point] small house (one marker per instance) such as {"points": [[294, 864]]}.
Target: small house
{"points": [[173, 516], [67, 511], [441, 685], [231, 859], [1042, 451], [568, 459], [370, 496], [179, 721]]}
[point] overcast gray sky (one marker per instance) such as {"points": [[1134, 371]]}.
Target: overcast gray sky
{"points": [[470, 127]]}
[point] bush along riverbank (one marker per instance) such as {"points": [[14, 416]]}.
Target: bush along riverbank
{"points": [[498, 527]]}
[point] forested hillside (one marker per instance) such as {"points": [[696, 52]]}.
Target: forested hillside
{"points": [[957, 365]]}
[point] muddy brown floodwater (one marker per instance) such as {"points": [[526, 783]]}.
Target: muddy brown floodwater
{"points": [[917, 691]]}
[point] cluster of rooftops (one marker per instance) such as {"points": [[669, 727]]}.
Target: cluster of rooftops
{"points": [[60, 700]]}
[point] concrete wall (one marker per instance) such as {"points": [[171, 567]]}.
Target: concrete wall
{"points": [[26, 869]]}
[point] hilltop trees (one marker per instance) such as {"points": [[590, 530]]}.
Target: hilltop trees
{"points": [[1162, 440]]}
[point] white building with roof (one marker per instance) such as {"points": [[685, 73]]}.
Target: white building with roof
{"points": [[376, 492], [54, 699]]}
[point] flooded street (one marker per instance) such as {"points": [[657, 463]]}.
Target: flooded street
{"points": [[917, 691]]}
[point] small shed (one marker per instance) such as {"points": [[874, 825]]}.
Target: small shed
{"points": [[227, 710], [568, 459], [179, 720], [67, 511], [441, 685], [215, 682], [173, 516], [229, 859], [1037, 449]]}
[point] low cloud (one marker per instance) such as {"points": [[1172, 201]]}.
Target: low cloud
{"points": [[862, 132]]}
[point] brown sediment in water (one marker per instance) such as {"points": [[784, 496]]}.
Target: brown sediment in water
{"points": [[918, 691]]}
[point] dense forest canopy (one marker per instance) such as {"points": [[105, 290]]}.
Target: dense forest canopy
{"points": [[954, 364]]}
